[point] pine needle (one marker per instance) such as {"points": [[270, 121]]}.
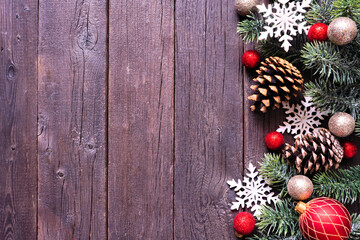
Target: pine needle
{"points": [[250, 28], [341, 184], [335, 98], [282, 220], [328, 62], [355, 230], [276, 171]]}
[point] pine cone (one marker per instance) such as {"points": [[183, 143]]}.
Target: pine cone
{"points": [[278, 81], [317, 151]]}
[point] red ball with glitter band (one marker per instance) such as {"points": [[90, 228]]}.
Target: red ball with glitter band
{"points": [[323, 219]]}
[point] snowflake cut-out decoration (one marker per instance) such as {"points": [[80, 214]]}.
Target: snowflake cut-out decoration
{"points": [[301, 118], [252, 192], [285, 19]]}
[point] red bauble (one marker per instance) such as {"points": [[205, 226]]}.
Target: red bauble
{"points": [[274, 140], [350, 149], [318, 32], [244, 223], [251, 59], [323, 219]]}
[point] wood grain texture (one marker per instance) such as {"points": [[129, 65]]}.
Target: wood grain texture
{"points": [[18, 121], [72, 119], [209, 118], [141, 96]]}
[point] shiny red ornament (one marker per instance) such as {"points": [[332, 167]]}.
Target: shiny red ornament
{"points": [[318, 32], [274, 141], [350, 149], [244, 224], [251, 59], [323, 219]]}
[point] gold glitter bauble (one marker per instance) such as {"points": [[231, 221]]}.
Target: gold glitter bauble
{"points": [[341, 124], [244, 7], [342, 31], [300, 187]]}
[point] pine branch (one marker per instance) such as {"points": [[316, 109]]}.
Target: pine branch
{"points": [[347, 8], [342, 184], [320, 13], [335, 98], [296, 237], [250, 28], [329, 62], [355, 230], [357, 129], [272, 47], [276, 171], [281, 221]]}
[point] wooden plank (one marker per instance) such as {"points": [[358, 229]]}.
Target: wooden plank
{"points": [[72, 119], [209, 118], [141, 87], [18, 120]]}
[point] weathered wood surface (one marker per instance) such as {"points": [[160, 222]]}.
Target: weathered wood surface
{"points": [[208, 118], [72, 119], [18, 119], [124, 119], [141, 122]]}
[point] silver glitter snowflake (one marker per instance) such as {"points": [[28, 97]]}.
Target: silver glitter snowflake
{"points": [[284, 20], [252, 192], [301, 118]]}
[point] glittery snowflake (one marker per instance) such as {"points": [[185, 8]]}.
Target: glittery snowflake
{"points": [[284, 20], [252, 192], [301, 118]]}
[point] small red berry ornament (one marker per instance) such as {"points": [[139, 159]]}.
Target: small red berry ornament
{"points": [[318, 32], [251, 59], [274, 141], [323, 219], [350, 149], [244, 224]]}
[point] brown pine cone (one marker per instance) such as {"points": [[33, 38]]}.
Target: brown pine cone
{"points": [[278, 81], [313, 152]]}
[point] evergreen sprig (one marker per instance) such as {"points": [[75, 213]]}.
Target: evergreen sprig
{"points": [[320, 12], [357, 129], [297, 237], [272, 47], [250, 28], [355, 230], [276, 171], [342, 184], [335, 98], [347, 8], [280, 221], [327, 60]]}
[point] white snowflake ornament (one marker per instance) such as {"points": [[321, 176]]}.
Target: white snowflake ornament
{"points": [[301, 119], [284, 20], [252, 192]]}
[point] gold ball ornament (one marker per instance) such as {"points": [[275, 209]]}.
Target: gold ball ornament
{"points": [[342, 31], [243, 7], [300, 187], [341, 124]]}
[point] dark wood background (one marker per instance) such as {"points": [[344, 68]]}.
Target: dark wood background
{"points": [[123, 119]]}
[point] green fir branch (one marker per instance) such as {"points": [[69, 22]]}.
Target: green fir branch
{"points": [[357, 129], [281, 221], [355, 229], [250, 28], [342, 184], [327, 61], [296, 237], [276, 171], [335, 98], [347, 8], [272, 47], [320, 12]]}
